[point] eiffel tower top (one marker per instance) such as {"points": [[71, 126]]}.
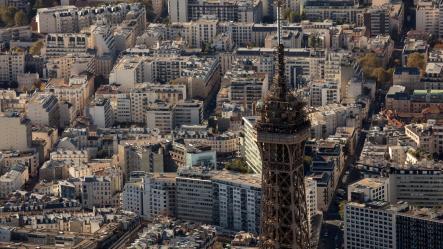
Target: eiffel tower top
{"points": [[279, 85], [281, 111]]}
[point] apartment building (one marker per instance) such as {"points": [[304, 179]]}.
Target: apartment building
{"points": [[227, 142], [407, 77], [77, 90], [70, 19], [249, 147], [326, 119], [433, 76], [132, 195], [56, 45], [188, 113], [70, 65], [201, 32], [29, 158], [43, 110], [241, 33], [9, 101], [427, 16], [97, 191], [102, 40], [100, 112], [414, 46], [406, 104], [15, 132], [426, 136], [77, 157], [178, 10], [221, 143], [166, 117], [237, 200], [131, 70], [376, 20], [427, 229], [369, 189], [200, 156], [382, 46], [245, 86], [18, 4], [127, 72], [302, 65], [237, 11], [160, 195], [339, 66], [324, 93], [147, 158], [187, 155], [22, 33], [160, 115], [122, 108], [370, 225], [339, 11], [60, 19], [195, 195], [224, 198], [420, 186], [311, 201], [147, 93], [12, 64], [391, 226], [150, 195], [13, 180], [27, 80], [325, 186]]}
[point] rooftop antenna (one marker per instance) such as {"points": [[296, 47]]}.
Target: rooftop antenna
{"points": [[278, 87], [279, 4]]}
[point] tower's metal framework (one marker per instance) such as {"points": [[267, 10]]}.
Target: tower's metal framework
{"points": [[281, 132]]}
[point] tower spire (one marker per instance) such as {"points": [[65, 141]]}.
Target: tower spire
{"points": [[279, 4], [278, 87]]}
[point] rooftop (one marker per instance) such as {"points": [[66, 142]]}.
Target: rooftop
{"points": [[369, 183], [253, 180], [408, 70]]}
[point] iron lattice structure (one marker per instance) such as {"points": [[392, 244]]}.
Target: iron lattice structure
{"points": [[281, 133]]}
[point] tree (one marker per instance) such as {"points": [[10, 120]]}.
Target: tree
{"points": [[380, 75], [20, 18], [341, 209], [369, 62], [390, 72], [291, 15], [314, 41], [218, 245], [295, 17], [7, 16], [287, 14], [238, 165], [373, 68], [36, 48], [16, 49], [307, 161], [45, 3], [417, 60]]}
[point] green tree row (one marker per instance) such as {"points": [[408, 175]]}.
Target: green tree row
{"points": [[238, 165], [11, 16], [373, 68]]}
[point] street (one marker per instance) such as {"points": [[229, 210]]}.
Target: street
{"points": [[331, 235]]}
